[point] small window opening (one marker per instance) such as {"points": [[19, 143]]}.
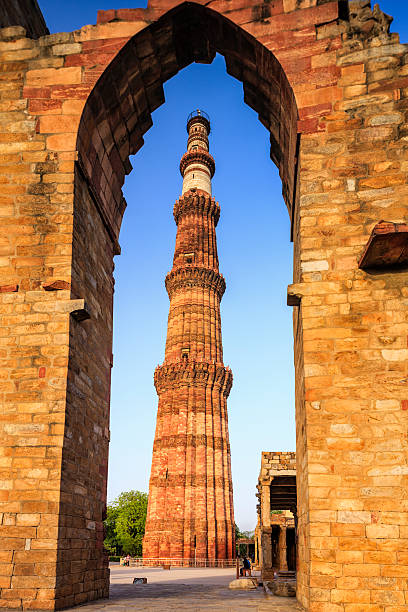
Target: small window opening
{"points": [[189, 257], [184, 353], [167, 472]]}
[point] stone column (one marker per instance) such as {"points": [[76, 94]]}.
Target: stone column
{"points": [[266, 544], [266, 503], [266, 530], [283, 562]]}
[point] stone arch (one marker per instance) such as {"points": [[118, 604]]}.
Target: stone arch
{"points": [[116, 114], [118, 110], [350, 81]]}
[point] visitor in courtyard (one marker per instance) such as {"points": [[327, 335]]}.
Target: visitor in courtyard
{"points": [[247, 567], [127, 560]]}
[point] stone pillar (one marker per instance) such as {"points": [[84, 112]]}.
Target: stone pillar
{"points": [[294, 512], [283, 562], [266, 544], [266, 533], [266, 503]]}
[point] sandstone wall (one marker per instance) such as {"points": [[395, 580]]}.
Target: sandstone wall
{"points": [[350, 82]]}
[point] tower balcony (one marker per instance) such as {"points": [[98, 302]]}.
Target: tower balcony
{"points": [[196, 202], [198, 156], [170, 376], [194, 276]]}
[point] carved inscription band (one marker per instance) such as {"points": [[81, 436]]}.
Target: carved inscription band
{"points": [[186, 524], [190, 441]]}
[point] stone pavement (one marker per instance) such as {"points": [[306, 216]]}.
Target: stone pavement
{"points": [[183, 589]]}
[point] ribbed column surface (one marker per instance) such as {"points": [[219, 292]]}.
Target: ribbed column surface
{"points": [[190, 512]]}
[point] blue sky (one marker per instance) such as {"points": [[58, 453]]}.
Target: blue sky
{"points": [[255, 256]]}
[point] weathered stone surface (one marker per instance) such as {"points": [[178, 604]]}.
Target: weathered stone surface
{"points": [[56, 285], [367, 23], [243, 584], [282, 588], [304, 71]]}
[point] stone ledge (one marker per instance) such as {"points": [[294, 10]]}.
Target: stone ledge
{"points": [[195, 276], [197, 202], [168, 376], [200, 156]]}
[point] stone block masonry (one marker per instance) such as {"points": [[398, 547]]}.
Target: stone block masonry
{"points": [[330, 83]]}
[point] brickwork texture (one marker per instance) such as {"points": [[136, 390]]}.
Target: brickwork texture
{"points": [[330, 83]]}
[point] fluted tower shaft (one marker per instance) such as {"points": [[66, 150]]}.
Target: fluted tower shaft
{"points": [[190, 511]]}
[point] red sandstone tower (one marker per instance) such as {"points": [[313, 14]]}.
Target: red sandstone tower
{"points": [[190, 512]]}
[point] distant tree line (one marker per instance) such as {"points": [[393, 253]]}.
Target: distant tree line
{"points": [[125, 524]]}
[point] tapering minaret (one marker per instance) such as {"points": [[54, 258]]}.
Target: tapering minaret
{"points": [[190, 512]]}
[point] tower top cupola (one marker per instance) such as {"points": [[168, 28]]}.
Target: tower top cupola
{"points": [[200, 117], [197, 166]]}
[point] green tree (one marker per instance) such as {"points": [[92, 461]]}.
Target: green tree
{"points": [[125, 523], [241, 548], [111, 542], [238, 535], [238, 532]]}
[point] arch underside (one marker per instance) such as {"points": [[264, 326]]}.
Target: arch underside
{"points": [[118, 111]]}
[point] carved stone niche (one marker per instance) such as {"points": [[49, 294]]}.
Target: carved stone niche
{"points": [[387, 246]]}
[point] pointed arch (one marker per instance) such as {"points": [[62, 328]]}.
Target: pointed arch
{"points": [[118, 110]]}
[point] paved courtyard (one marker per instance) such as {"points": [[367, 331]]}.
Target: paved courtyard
{"points": [[183, 589]]}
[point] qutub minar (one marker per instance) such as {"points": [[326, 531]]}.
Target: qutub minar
{"points": [[190, 512]]}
